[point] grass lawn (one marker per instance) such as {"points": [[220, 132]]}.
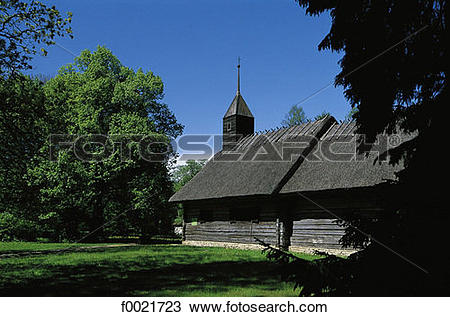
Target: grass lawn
{"points": [[152, 270], [14, 247]]}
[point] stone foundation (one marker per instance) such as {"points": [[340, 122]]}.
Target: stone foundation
{"points": [[229, 245], [309, 250], [248, 246]]}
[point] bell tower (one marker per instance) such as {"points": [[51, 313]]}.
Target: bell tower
{"points": [[238, 120]]}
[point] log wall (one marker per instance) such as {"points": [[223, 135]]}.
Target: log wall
{"points": [[288, 221], [314, 216], [236, 232], [316, 233], [220, 227]]}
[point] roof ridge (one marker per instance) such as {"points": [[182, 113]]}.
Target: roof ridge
{"points": [[281, 132], [270, 130]]}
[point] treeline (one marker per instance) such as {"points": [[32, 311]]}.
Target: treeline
{"points": [[49, 191]]}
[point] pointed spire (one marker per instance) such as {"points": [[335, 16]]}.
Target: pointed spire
{"points": [[238, 105], [239, 77]]}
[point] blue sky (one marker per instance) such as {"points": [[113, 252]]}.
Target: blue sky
{"points": [[193, 45]]}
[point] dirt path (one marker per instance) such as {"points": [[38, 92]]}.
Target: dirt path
{"points": [[12, 254]]}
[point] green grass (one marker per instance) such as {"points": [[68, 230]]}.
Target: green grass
{"points": [[13, 247], [153, 270]]}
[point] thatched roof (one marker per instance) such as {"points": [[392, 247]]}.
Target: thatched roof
{"points": [[253, 173], [323, 170], [269, 173]]}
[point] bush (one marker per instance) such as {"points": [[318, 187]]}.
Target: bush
{"points": [[16, 228]]}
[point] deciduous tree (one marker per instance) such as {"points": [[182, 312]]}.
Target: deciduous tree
{"points": [[295, 116], [27, 27]]}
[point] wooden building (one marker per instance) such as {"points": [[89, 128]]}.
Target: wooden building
{"points": [[286, 187]]}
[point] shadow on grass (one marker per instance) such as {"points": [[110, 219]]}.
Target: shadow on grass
{"points": [[228, 278]]}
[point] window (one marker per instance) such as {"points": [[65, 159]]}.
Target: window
{"points": [[228, 126]]}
